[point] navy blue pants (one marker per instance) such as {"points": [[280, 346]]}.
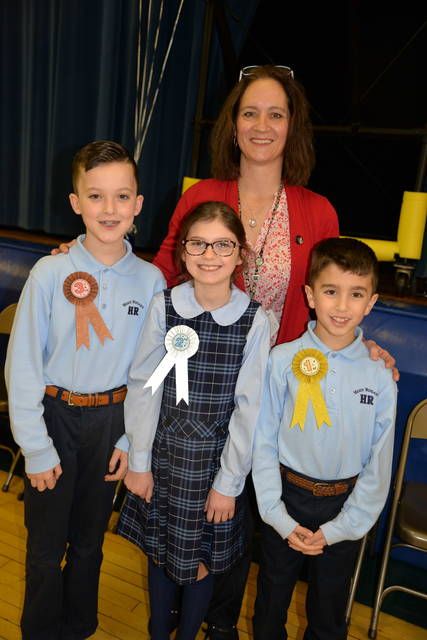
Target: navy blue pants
{"points": [[329, 574], [70, 520]]}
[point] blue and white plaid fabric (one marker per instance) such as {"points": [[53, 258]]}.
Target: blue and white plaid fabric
{"points": [[172, 529]]}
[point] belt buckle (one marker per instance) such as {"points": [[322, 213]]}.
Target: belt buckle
{"points": [[317, 489], [72, 393]]}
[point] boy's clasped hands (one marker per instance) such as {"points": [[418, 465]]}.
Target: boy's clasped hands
{"points": [[307, 542]]}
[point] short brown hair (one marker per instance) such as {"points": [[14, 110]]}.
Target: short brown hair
{"points": [[100, 152], [348, 254], [298, 161], [206, 212]]}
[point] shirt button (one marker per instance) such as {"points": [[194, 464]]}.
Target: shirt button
{"points": [[105, 285], [333, 355], [104, 306], [333, 371], [332, 390]]}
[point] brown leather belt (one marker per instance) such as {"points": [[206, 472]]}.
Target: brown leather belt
{"points": [[318, 488], [75, 399]]}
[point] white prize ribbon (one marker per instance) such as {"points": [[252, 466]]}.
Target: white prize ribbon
{"points": [[181, 343]]}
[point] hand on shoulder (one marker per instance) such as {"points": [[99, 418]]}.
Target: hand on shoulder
{"points": [[377, 353], [64, 247]]}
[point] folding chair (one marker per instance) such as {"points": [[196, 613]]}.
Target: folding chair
{"points": [[6, 320], [407, 525], [355, 578]]}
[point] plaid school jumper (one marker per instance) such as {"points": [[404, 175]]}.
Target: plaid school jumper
{"points": [[172, 529]]}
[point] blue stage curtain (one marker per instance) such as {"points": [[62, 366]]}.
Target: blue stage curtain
{"points": [[68, 76], [68, 69]]}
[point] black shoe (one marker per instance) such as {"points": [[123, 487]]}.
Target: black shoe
{"points": [[213, 632]]}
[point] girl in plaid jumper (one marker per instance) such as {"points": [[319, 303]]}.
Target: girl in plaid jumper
{"points": [[191, 423]]}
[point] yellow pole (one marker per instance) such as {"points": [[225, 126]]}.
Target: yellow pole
{"points": [[411, 224], [410, 234]]}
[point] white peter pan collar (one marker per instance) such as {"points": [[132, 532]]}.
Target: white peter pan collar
{"points": [[185, 303]]}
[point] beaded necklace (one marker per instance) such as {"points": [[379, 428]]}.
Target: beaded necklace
{"points": [[251, 283]]}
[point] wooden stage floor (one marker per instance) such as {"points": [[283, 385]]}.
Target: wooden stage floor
{"points": [[123, 603]]}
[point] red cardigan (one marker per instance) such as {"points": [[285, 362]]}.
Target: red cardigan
{"points": [[311, 217]]}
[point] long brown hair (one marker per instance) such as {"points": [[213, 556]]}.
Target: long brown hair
{"points": [[206, 212], [298, 161]]}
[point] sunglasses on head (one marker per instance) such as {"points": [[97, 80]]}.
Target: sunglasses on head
{"points": [[247, 71]]}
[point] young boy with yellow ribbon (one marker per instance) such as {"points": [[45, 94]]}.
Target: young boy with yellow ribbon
{"points": [[323, 447], [75, 333]]}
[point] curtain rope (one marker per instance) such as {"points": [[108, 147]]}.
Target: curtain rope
{"points": [[143, 121]]}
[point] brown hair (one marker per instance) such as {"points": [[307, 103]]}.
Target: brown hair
{"points": [[100, 152], [206, 212], [348, 254], [298, 160]]}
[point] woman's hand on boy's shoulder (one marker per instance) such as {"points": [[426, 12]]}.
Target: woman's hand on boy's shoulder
{"points": [[377, 353], [64, 247]]}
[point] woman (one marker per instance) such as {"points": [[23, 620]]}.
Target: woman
{"points": [[262, 156]]}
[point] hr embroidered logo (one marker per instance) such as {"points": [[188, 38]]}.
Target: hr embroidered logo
{"points": [[133, 311], [134, 307], [366, 396]]}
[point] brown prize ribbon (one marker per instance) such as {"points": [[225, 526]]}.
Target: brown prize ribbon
{"points": [[81, 289]]}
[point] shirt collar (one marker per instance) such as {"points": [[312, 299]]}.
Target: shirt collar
{"points": [[185, 303], [82, 259], [352, 351]]}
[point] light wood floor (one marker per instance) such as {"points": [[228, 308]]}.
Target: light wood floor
{"points": [[123, 607]]}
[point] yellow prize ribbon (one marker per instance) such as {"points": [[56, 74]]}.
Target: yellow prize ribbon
{"points": [[309, 366]]}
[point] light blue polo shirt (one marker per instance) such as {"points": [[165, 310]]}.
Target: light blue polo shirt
{"points": [[42, 345], [360, 396]]}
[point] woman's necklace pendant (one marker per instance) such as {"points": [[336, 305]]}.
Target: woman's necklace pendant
{"points": [[259, 261], [252, 222]]}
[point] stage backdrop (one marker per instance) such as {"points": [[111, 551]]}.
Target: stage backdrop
{"points": [[75, 71]]}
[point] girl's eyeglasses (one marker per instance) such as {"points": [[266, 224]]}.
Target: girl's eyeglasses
{"points": [[221, 248], [247, 71]]}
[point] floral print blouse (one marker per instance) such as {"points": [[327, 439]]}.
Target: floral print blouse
{"points": [[271, 281]]}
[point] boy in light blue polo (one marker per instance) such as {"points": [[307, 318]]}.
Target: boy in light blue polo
{"points": [[323, 447], [75, 332]]}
